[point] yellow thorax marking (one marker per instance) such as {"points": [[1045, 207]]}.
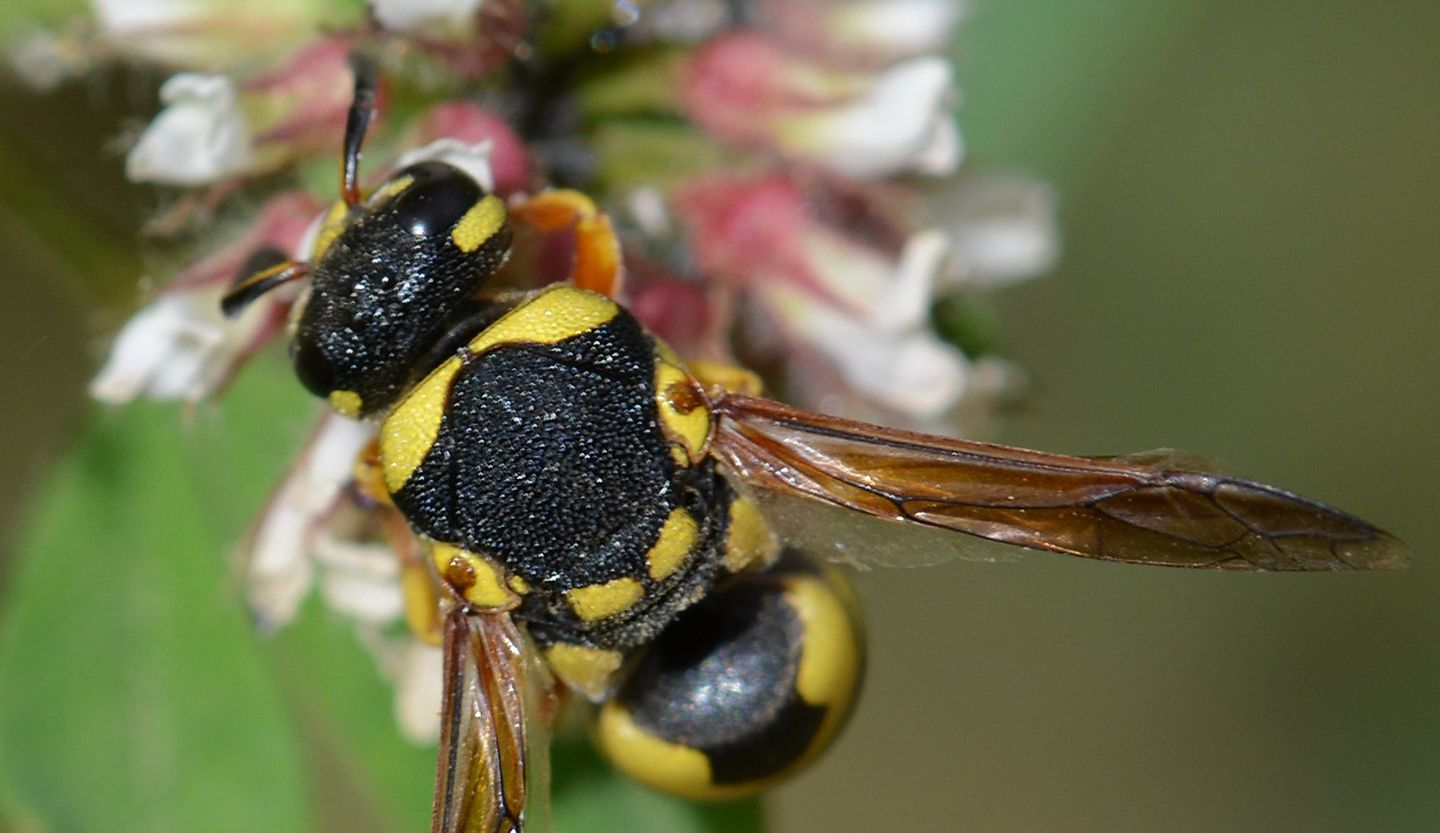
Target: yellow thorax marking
{"points": [[479, 579], [677, 539], [599, 601], [684, 414], [479, 224]]}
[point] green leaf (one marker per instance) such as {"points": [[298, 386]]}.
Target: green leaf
{"points": [[641, 83], [21, 17], [592, 797], [133, 693], [635, 153], [967, 322]]}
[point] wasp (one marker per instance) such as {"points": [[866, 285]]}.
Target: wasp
{"points": [[595, 509]]}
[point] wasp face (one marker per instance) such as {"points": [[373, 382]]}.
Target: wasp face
{"points": [[389, 277]]}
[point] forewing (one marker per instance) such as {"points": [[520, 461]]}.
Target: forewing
{"points": [[493, 771], [1151, 508]]}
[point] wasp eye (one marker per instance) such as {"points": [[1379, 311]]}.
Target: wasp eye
{"points": [[436, 200]]}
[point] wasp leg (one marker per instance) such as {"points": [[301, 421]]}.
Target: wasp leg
{"points": [[743, 689], [597, 263]]}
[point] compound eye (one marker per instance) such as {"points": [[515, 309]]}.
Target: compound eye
{"points": [[438, 196]]}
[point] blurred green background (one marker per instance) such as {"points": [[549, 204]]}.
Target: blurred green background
{"points": [[1250, 223]]}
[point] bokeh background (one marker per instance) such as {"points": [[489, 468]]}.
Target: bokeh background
{"points": [[1250, 212]]}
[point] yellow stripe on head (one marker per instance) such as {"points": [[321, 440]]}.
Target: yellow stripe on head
{"points": [[336, 219], [479, 224], [346, 402]]}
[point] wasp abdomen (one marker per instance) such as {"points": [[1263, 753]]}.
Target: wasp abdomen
{"points": [[742, 689]]}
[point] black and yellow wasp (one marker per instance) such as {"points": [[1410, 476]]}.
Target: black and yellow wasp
{"points": [[591, 505]]}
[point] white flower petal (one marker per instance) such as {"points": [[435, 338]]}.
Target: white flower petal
{"points": [[912, 371], [426, 17], [42, 60], [686, 21], [900, 27], [905, 305], [127, 17], [360, 580], [279, 568], [649, 211], [200, 137], [1004, 230], [474, 159], [942, 154], [178, 347], [418, 691], [895, 126]]}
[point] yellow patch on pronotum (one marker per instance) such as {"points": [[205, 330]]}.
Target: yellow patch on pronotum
{"points": [[479, 224], [410, 430], [599, 601], [552, 315], [677, 539]]}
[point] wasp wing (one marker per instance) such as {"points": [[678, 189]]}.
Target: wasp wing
{"points": [[1150, 508], [493, 772]]}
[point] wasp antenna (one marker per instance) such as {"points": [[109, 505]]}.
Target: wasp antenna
{"points": [[248, 288], [362, 112]]}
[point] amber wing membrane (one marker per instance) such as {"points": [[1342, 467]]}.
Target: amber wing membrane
{"points": [[493, 767], [1151, 508]]}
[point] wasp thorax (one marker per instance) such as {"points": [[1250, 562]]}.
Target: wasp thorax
{"points": [[391, 281]]}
